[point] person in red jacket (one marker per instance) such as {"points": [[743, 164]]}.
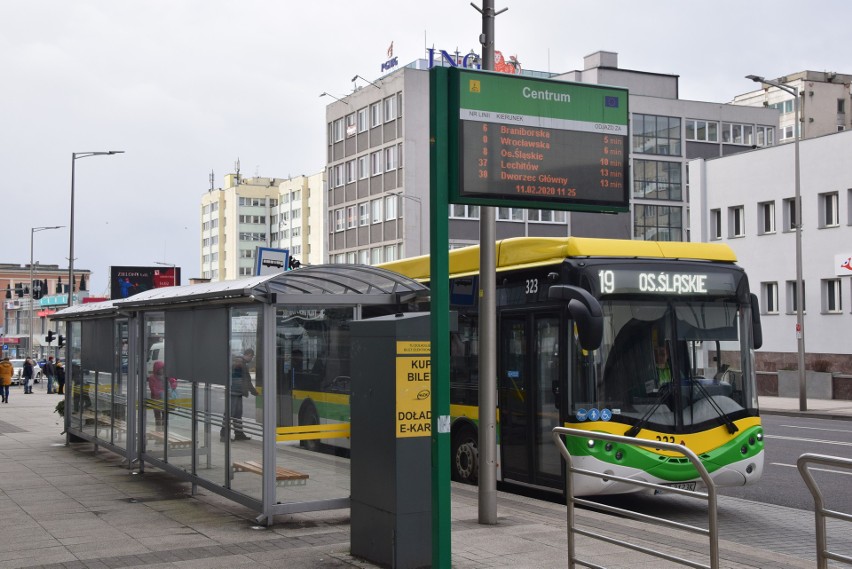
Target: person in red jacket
{"points": [[157, 387]]}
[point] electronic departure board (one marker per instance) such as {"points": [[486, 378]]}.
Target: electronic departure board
{"points": [[538, 143]]}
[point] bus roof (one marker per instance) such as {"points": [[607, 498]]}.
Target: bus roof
{"points": [[524, 252]]}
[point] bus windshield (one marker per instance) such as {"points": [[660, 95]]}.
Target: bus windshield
{"points": [[674, 365]]}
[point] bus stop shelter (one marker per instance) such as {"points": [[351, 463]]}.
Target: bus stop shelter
{"points": [[240, 387]]}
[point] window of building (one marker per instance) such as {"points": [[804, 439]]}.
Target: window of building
{"points": [[246, 254], [769, 297], [841, 106], [791, 297], [657, 223], [546, 216], [351, 172], [252, 219], [390, 158], [510, 214], [656, 135], [376, 163], [363, 120], [654, 179], [764, 135], [339, 175], [363, 167], [766, 218], [246, 271], [715, 224], [339, 219], [350, 125], [390, 207], [390, 108], [376, 255], [338, 130], [252, 236], [702, 131], [351, 216], [461, 211], [832, 301], [390, 253], [783, 106], [829, 216], [736, 221], [375, 114], [786, 132], [363, 214], [789, 215], [399, 155], [364, 257], [376, 210], [737, 133]]}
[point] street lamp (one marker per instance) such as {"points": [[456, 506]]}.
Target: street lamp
{"points": [[420, 223], [800, 324], [74, 157], [33, 231]]}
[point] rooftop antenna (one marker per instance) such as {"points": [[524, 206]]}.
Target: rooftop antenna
{"points": [[212, 180], [237, 168]]}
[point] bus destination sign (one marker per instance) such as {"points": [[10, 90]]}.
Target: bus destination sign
{"points": [[540, 143]]}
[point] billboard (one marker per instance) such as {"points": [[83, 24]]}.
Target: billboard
{"points": [[127, 281]]}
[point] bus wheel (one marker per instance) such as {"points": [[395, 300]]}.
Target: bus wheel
{"points": [[466, 456], [309, 416]]}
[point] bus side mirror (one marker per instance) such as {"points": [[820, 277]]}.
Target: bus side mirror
{"points": [[756, 329], [586, 312]]}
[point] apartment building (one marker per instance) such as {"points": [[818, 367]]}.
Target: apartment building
{"points": [[247, 213]]}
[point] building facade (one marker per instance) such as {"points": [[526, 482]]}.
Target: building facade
{"points": [[27, 308], [378, 164], [247, 213], [824, 98], [747, 200]]}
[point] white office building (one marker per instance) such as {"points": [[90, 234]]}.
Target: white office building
{"points": [[747, 201]]}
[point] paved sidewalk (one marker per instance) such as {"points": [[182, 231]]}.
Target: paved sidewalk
{"points": [[67, 506]]}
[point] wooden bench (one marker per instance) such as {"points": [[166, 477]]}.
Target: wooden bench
{"points": [[283, 476], [105, 421], [175, 440]]}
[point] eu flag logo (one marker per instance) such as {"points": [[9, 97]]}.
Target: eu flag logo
{"points": [[611, 102]]}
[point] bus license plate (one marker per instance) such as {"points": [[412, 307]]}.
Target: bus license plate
{"points": [[682, 485]]}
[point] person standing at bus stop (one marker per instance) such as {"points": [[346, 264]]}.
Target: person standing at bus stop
{"points": [[6, 372], [241, 386], [50, 372], [60, 378]]}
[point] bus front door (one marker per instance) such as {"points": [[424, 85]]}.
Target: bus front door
{"points": [[529, 365]]}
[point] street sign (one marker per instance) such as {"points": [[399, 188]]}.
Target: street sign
{"points": [[525, 142]]}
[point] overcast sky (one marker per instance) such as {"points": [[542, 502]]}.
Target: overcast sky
{"points": [[187, 87]]}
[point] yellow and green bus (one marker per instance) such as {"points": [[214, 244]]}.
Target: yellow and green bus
{"points": [[662, 349]]}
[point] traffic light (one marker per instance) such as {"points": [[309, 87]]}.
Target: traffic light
{"points": [[294, 263], [36, 290], [60, 341], [50, 337]]}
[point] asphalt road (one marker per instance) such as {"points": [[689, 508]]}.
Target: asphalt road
{"points": [[787, 438]]}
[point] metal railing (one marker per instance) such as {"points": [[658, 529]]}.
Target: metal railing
{"points": [[820, 511], [712, 531]]}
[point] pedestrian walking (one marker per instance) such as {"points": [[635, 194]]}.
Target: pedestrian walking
{"points": [[50, 371], [28, 375], [60, 378], [6, 371]]}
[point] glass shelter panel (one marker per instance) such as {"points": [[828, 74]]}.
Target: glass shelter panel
{"points": [[314, 383]]}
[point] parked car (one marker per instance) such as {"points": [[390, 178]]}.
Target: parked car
{"points": [[18, 372]]}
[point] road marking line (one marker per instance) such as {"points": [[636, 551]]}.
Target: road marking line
{"points": [[800, 439], [813, 469], [818, 429]]}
